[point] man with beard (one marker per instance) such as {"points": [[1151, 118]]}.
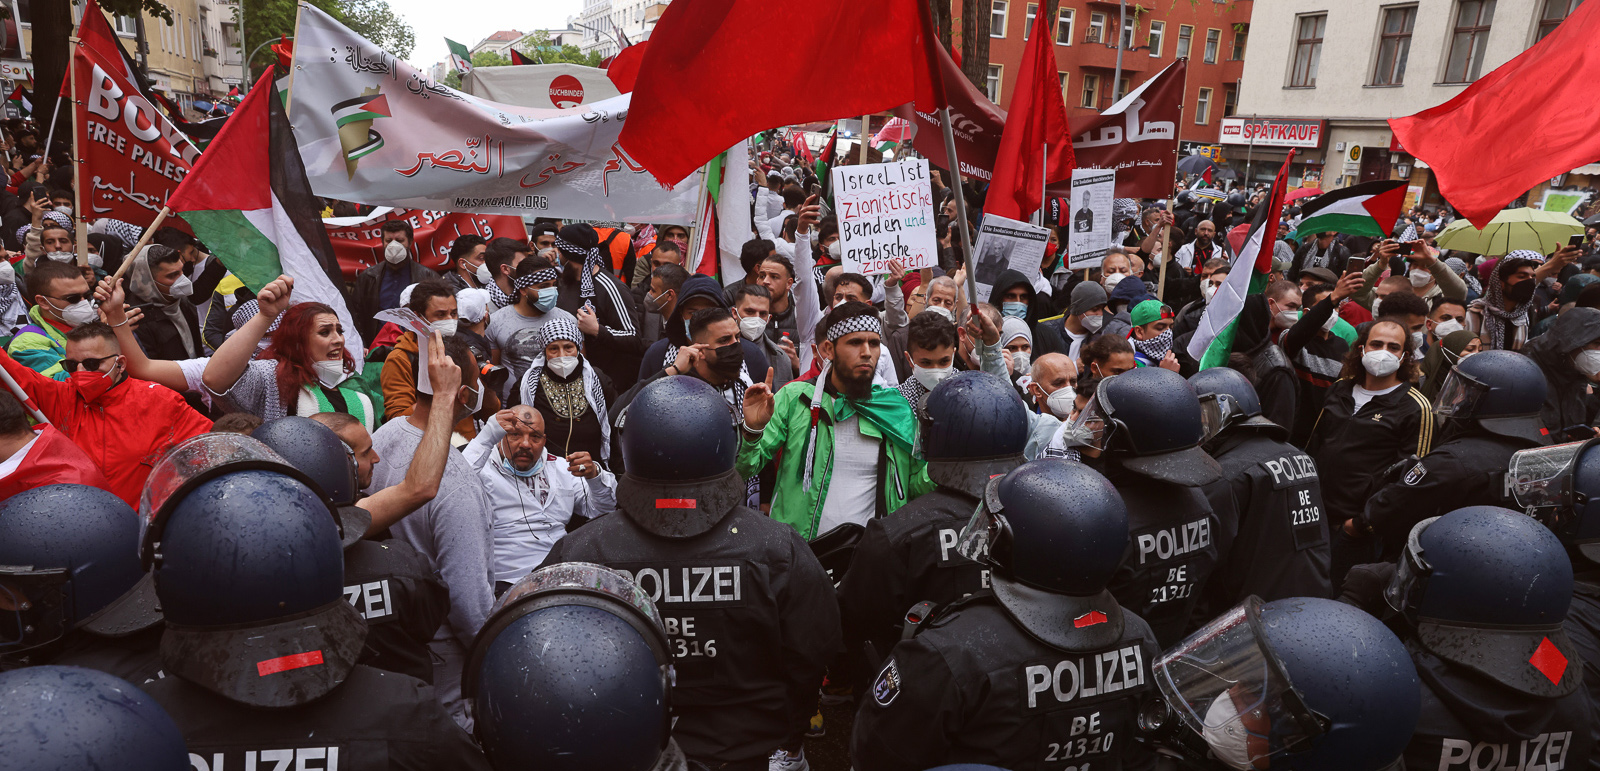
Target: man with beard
{"points": [[534, 305], [604, 309], [1194, 255]]}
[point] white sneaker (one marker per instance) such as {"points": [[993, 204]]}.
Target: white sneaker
{"points": [[781, 760]]}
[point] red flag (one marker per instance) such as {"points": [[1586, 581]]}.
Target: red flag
{"points": [[133, 157], [836, 58], [518, 59], [1037, 118], [624, 68], [976, 122], [1531, 119], [1206, 175]]}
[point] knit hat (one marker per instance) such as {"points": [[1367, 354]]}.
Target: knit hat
{"points": [[1085, 296], [1013, 328], [1149, 311]]}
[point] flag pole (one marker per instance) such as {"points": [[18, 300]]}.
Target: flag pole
{"points": [[961, 204], [1166, 231], [144, 240], [1044, 180], [288, 91], [49, 137], [22, 396], [77, 162]]}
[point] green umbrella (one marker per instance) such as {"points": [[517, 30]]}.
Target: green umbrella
{"points": [[1536, 230]]}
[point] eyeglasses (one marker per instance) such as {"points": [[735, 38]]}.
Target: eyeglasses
{"points": [[89, 365], [71, 299]]}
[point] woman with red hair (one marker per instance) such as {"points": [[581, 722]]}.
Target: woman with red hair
{"points": [[303, 372]]}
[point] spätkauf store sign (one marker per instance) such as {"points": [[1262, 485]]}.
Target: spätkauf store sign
{"points": [[1272, 132]]}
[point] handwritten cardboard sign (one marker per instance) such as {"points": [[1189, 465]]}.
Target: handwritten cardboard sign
{"points": [[885, 213]]}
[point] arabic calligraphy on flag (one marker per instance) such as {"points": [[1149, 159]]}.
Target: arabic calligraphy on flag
{"points": [[372, 129], [1137, 136]]}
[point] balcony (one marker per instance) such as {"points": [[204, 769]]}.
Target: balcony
{"points": [[1103, 56], [1133, 8]]}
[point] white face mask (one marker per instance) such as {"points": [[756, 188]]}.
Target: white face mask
{"points": [[1208, 290], [395, 253], [943, 311], [930, 377], [79, 313], [8, 274], [1019, 361], [1112, 279], [1587, 362], [1380, 363], [563, 366], [446, 327], [833, 250], [477, 397], [64, 209], [1226, 734], [483, 275], [752, 327], [1419, 278], [1061, 402], [330, 373], [61, 256], [1417, 339], [1093, 322], [183, 287], [1375, 302], [1446, 328], [1285, 319]]}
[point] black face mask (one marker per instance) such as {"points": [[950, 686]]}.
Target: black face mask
{"points": [[1521, 291], [730, 358]]}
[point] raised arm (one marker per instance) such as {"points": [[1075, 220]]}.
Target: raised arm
{"points": [[808, 309], [421, 484], [231, 358], [114, 312]]}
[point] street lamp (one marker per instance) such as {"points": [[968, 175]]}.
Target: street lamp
{"points": [[247, 59]]}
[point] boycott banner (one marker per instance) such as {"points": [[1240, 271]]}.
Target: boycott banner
{"points": [[885, 213], [1089, 232], [976, 124], [358, 241], [1137, 137], [373, 129], [133, 157]]}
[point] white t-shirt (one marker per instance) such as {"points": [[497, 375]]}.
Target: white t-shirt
{"points": [[1077, 342], [1363, 395], [852, 494]]}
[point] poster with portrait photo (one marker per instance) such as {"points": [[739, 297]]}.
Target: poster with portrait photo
{"points": [[1006, 243]]}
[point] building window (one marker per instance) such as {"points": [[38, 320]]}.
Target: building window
{"points": [[997, 18], [1213, 42], [1064, 27], [1230, 100], [1394, 46], [1240, 37], [994, 83], [1158, 30], [1307, 50], [1130, 26], [1091, 91], [1097, 29], [125, 25], [1202, 107], [1065, 79], [1185, 34], [1467, 44], [1027, 27], [1554, 12]]}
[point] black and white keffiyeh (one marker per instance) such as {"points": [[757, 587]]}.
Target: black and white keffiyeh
{"points": [[565, 329], [1156, 347], [866, 322], [243, 312], [1496, 318], [738, 386], [591, 259], [537, 277]]}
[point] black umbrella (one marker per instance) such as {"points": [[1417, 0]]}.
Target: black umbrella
{"points": [[1194, 164], [1594, 219], [1225, 173]]}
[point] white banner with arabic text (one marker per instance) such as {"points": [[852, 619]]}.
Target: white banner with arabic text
{"points": [[373, 129]]}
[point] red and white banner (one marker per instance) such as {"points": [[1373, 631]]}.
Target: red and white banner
{"points": [[133, 157], [976, 124], [358, 241], [1137, 136]]}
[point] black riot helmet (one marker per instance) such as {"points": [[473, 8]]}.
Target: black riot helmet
{"points": [[1300, 683], [1053, 531], [572, 671], [1148, 421], [1487, 588], [1502, 391], [1227, 399], [250, 574], [678, 447], [976, 428], [1560, 487], [70, 718], [318, 452], [69, 560]]}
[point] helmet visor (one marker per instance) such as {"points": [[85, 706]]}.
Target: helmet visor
{"points": [[1091, 428], [583, 577], [1216, 410], [192, 459], [1228, 687], [1458, 396], [1541, 477], [1405, 591], [33, 607]]}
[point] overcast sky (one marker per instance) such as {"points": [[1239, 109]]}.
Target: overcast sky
{"points": [[468, 21]]}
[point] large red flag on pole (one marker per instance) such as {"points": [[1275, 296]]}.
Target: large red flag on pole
{"points": [[725, 78], [1531, 119], [1037, 119]]}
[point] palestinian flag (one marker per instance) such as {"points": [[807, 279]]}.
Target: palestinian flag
{"points": [[892, 135], [459, 56], [250, 202], [826, 158], [1213, 339], [1367, 209], [518, 59], [21, 100]]}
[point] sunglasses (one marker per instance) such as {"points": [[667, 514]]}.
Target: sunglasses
{"points": [[89, 365], [72, 299]]}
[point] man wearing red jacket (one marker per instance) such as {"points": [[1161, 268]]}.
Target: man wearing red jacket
{"points": [[34, 457], [124, 425]]}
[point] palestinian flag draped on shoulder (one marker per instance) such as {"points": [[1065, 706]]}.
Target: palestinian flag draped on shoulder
{"points": [[1367, 209], [249, 201], [1213, 339]]}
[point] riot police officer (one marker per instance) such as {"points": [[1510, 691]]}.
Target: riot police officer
{"points": [[388, 582], [977, 428], [751, 618], [1300, 683], [260, 646], [1273, 539], [1481, 593], [1145, 423], [1489, 409], [1044, 672], [69, 718], [572, 671], [70, 574]]}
